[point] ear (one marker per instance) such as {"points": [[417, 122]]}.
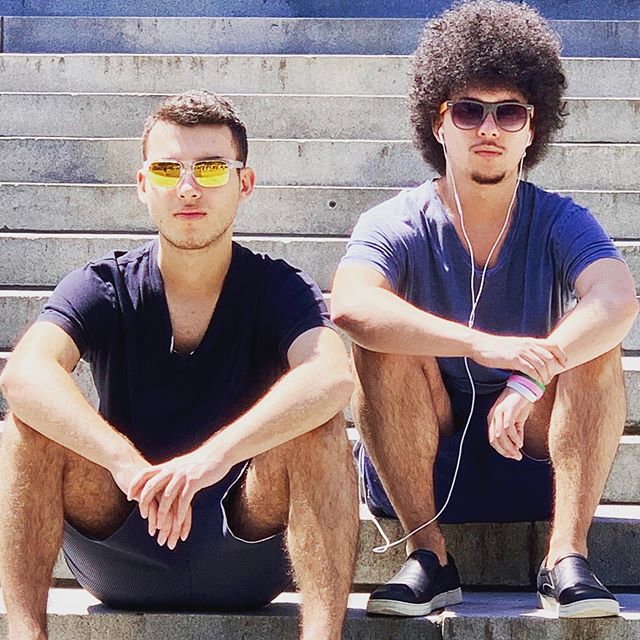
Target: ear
{"points": [[141, 184], [247, 182], [531, 136]]}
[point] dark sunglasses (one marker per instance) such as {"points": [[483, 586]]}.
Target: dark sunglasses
{"points": [[470, 114]]}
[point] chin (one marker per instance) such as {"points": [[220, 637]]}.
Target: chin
{"points": [[496, 178]]}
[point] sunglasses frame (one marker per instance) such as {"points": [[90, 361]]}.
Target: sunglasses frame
{"points": [[231, 164], [488, 108]]}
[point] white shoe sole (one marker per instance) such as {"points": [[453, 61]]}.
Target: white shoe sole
{"points": [[594, 608], [399, 608]]}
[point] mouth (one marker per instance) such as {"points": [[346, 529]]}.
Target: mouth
{"points": [[190, 214], [486, 151]]}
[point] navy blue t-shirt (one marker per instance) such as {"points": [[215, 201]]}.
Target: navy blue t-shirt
{"points": [[116, 312], [411, 240]]}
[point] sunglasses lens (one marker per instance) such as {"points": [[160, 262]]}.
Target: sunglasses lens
{"points": [[211, 173], [165, 174], [511, 117], [466, 114]]}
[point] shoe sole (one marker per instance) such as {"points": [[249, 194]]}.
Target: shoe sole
{"points": [[399, 608], [593, 608]]}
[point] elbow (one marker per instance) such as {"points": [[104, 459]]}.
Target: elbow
{"points": [[348, 317], [10, 383]]}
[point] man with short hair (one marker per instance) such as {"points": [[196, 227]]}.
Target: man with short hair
{"points": [[486, 316], [221, 383]]}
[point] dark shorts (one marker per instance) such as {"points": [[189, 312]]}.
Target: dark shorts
{"points": [[212, 570], [489, 487]]}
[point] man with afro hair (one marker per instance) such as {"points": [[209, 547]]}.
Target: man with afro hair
{"points": [[486, 316]]}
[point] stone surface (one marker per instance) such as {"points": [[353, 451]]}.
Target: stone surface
{"points": [[308, 211], [51, 256], [344, 163], [572, 9], [82, 34], [229, 74], [332, 117]]}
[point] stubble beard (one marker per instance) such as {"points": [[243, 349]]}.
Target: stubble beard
{"points": [[478, 178], [195, 243]]}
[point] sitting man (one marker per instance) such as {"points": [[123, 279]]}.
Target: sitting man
{"points": [[221, 384], [460, 297]]}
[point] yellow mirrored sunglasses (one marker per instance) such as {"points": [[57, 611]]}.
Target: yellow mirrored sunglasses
{"points": [[213, 172]]}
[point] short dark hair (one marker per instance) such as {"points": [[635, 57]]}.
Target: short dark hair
{"points": [[199, 107], [487, 44]]}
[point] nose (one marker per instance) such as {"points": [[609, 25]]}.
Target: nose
{"points": [[489, 128], [188, 188]]}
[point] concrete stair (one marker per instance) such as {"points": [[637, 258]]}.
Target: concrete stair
{"points": [[329, 140], [260, 35]]}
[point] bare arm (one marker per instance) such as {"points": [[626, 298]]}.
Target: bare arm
{"points": [[40, 391], [364, 305], [316, 388], [604, 314]]}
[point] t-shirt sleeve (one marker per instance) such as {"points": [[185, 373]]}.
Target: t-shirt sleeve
{"points": [[83, 306], [378, 241], [578, 240], [292, 303]]}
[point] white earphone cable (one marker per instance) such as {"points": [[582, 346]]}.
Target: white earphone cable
{"points": [[475, 298]]}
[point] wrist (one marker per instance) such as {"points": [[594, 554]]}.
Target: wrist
{"points": [[526, 386]]}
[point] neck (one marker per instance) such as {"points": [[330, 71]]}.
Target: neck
{"points": [[480, 202], [195, 271]]}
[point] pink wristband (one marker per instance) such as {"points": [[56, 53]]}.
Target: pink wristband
{"points": [[525, 382]]}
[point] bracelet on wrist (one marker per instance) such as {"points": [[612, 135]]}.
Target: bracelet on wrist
{"points": [[525, 387]]}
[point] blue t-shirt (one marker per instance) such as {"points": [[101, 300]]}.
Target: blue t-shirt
{"points": [[116, 312], [411, 240]]}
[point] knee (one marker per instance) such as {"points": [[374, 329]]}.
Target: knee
{"points": [[19, 438], [604, 371], [376, 365], [325, 446]]}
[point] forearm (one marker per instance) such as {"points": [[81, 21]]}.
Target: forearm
{"points": [[303, 399], [44, 396], [594, 326], [382, 321]]}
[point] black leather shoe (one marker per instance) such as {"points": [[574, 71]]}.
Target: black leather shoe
{"points": [[571, 590], [420, 586]]}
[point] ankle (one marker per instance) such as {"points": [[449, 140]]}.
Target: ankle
{"points": [[437, 547], [26, 632], [561, 549]]}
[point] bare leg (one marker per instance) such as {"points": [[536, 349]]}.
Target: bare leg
{"points": [[400, 406], [35, 472], [308, 484], [579, 421]]}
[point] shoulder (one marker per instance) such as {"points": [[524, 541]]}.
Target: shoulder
{"points": [[400, 215], [550, 207]]}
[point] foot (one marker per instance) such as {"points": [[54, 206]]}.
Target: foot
{"points": [[571, 590], [420, 586]]}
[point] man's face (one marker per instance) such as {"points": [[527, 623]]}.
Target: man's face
{"points": [[189, 216], [485, 154]]}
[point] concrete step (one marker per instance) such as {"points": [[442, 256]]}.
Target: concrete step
{"points": [[631, 365], [51, 256], [328, 75], [308, 211], [498, 554], [311, 116], [569, 9], [73, 613], [255, 35], [20, 307], [345, 163]]}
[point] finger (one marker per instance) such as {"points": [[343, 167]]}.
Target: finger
{"points": [[496, 434], [152, 488], [168, 498], [510, 440], [520, 431], [535, 367], [186, 526], [184, 503], [153, 517], [163, 533], [174, 533], [139, 481], [558, 353]]}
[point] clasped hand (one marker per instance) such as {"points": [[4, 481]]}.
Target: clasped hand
{"points": [[165, 492], [540, 358]]}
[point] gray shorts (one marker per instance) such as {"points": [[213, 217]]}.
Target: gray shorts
{"points": [[212, 570]]}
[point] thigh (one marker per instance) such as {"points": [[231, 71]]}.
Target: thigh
{"points": [[408, 384], [536, 430], [93, 503], [257, 505]]}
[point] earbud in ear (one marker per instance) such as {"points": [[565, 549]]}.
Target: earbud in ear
{"points": [[440, 136], [530, 139]]}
